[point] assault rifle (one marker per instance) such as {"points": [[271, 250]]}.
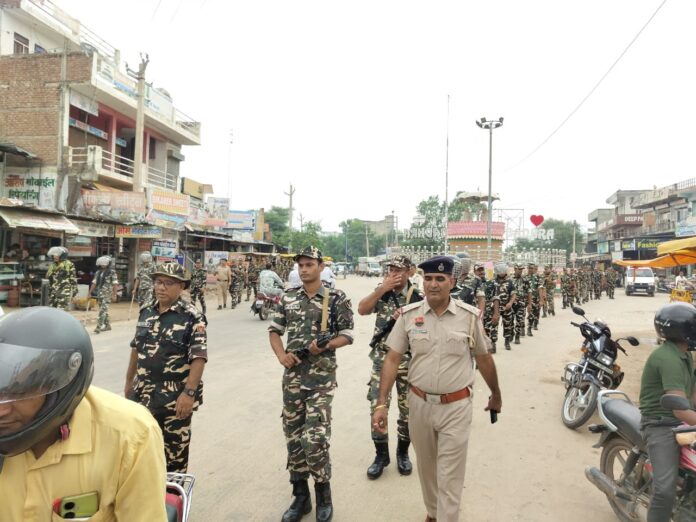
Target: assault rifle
{"points": [[387, 328], [322, 340]]}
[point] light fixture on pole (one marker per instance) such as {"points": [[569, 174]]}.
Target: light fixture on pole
{"points": [[489, 125]]}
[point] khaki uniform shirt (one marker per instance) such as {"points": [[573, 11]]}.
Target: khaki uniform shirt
{"points": [[442, 347], [223, 273]]}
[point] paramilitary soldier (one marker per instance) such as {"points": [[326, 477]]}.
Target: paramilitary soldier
{"points": [[549, 282], [167, 360], [386, 301], [318, 320], [143, 279], [105, 283], [199, 278], [471, 286], [538, 294], [521, 301], [252, 279], [566, 289], [611, 282], [505, 294], [62, 278], [236, 284]]}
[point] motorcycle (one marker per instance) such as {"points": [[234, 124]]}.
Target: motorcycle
{"points": [[596, 370], [264, 304], [178, 497], [625, 472]]}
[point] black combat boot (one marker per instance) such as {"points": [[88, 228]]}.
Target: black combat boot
{"points": [[522, 332], [543, 314], [403, 462], [536, 326], [381, 460], [301, 505], [324, 504], [507, 344], [492, 350], [517, 339], [529, 331]]}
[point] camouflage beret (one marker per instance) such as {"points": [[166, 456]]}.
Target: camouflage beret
{"points": [[173, 270], [478, 266], [311, 252], [399, 262], [519, 266]]}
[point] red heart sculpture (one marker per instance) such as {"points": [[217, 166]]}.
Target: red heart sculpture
{"points": [[536, 220]]}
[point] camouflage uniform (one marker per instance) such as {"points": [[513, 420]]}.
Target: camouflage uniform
{"points": [[252, 280], [502, 290], [597, 283], [534, 285], [491, 295], [308, 388], [611, 282], [471, 289], [166, 343], [385, 308], [550, 286], [521, 284], [566, 289], [104, 281], [236, 285], [145, 289], [586, 295], [199, 278], [62, 280]]}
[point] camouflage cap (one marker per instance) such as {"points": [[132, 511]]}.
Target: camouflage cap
{"points": [[478, 266], [531, 265], [518, 266], [399, 262], [173, 270], [311, 252]]}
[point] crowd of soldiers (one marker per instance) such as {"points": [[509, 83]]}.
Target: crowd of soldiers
{"points": [[581, 285]]}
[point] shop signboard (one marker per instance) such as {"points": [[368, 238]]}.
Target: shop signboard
{"points": [[647, 244], [218, 211], [241, 220], [685, 229], [138, 231], [33, 189], [164, 248], [213, 257], [628, 244], [169, 202], [166, 220], [92, 229], [195, 189], [81, 101], [603, 247], [80, 246], [117, 205]]}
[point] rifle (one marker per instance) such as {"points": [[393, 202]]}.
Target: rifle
{"points": [[325, 333], [387, 328]]}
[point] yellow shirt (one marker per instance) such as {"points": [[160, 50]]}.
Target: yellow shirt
{"points": [[115, 448]]}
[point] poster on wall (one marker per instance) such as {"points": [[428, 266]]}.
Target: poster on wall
{"points": [[218, 211], [32, 188], [213, 257], [165, 249], [241, 220]]}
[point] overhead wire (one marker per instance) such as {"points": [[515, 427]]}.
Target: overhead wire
{"points": [[587, 96]]}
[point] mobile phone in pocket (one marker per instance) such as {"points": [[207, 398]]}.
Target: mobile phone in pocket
{"points": [[77, 507]]}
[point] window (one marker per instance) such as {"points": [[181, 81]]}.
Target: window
{"points": [[151, 148], [38, 49], [21, 44]]}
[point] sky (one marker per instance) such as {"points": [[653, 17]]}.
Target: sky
{"points": [[347, 101]]}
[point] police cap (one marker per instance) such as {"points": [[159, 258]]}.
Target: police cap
{"points": [[438, 265]]}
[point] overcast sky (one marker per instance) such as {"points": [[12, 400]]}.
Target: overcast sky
{"points": [[348, 101]]}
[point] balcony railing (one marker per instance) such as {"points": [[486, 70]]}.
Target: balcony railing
{"points": [[117, 164], [162, 179], [663, 226], [100, 160]]}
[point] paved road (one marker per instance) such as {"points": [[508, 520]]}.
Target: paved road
{"points": [[528, 467]]}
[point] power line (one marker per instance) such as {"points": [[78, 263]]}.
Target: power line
{"points": [[154, 13], [582, 102]]}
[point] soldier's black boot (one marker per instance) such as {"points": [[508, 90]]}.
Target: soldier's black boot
{"points": [[381, 460], [403, 462], [543, 314], [324, 504], [492, 350], [517, 339], [529, 331], [301, 504], [507, 344], [522, 332]]}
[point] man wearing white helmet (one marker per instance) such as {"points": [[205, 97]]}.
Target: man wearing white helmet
{"points": [[142, 286], [105, 283], [62, 278]]}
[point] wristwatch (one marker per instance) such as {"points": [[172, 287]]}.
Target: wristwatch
{"points": [[190, 392]]}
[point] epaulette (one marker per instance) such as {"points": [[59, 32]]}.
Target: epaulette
{"points": [[411, 306], [467, 307]]}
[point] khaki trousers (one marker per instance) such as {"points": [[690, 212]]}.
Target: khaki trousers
{"points": [[440, 436], [223, 291]]}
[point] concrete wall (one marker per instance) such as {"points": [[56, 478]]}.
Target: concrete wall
{"points": [[11, 23]]}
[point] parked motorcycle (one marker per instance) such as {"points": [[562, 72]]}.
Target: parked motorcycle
{"points": [[625, 473], [596, 370], [264, 304], [178, 497]]}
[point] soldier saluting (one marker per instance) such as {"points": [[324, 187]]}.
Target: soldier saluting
{"points": [[318, 321], [386, 301]]}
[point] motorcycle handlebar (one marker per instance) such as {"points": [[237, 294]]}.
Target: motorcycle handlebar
{"points": [[575, 324]]}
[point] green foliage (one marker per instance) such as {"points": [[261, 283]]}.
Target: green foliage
{"points": [[563, 236], [277, 219]]}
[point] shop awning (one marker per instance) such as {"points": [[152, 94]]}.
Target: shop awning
{"points": [[677, 258], [28, 219], [678, 244], [11, 148]]}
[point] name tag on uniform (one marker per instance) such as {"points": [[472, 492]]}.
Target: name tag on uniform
{"points": [[143, 323], [293, 306], [419, 331]]}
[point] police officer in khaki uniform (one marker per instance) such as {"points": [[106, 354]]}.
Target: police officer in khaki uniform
{"points": [[444, 335], [223, 273]]}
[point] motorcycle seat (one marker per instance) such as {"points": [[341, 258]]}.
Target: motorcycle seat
{"points": [[626, 417]]}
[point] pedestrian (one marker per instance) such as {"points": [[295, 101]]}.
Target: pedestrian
{"points": [[318, 320], [270, 283], [294, 280], [415, 277], [142, 286], [386, 302], [445, 336], [62, 279], [223, 274], [105, 283], [523, 293], [61, 437], [199, 278], [169, 352]]}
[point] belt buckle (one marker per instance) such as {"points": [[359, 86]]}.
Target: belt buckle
{"points": [[433, 398]]}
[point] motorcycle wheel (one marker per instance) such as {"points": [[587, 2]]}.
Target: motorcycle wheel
{"points": [[611, 463], [579, 404], [263, 312]]}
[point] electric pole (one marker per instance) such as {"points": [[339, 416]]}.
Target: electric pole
{"points": [[490, 126], [290, 209], [138, 183], [367, 243]]}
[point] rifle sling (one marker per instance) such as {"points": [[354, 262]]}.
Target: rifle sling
{"points": [[325, 311]]}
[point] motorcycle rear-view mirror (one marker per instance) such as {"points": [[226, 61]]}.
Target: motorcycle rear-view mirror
{"points": [[578, 311], [632, 340], [674, 402]]}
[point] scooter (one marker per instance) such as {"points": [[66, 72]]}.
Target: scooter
{"points": [[178, 497]]}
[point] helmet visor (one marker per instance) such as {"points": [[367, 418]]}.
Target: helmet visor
{"points": [[30, 372]]}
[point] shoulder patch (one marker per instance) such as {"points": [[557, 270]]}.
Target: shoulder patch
{"points": [[412, 306], [467, 307]]}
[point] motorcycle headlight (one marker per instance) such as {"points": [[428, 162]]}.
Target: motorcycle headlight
{"points": [[605, 360]]}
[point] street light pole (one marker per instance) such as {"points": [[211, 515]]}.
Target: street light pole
{"points": [[489, 125]]}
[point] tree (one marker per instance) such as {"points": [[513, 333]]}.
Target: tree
{"points": [[563, 236], [277, 220], [428, 232], [358, 236]]}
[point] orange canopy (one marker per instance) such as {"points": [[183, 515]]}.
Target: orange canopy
{"points": [[677, 258]]}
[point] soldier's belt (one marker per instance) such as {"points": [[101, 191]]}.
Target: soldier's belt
{"points": [[445, 398]]}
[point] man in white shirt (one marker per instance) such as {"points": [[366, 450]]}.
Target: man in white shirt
{"points": [[294, 280], [328, 277], [269, 282], [681, 281]]}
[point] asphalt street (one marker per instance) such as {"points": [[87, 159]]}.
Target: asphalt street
{"points": [[527, 467]]}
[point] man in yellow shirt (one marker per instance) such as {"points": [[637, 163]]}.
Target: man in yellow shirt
{"points": [[61, 439]]}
